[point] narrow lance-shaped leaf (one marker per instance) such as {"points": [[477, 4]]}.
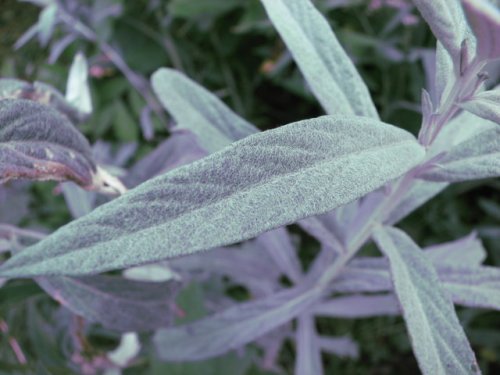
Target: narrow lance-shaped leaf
{"points": [[232, 328], [358, 306], [279, 246], [328, 70], [180, 148], [116, 303], [37, 142], [473, 286], [447, 22], [262, 182], [77, 88], [198, 110], [485, 105], [438, 340], [308, 350], [477, 157], [464, 252]]}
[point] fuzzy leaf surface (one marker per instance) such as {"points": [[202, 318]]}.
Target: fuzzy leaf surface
{"points": [[438, 340], [473, 286], [11, 88], [231, 328], [447, 22], [198, 110], [328, 70], [262, 182], [485, 105], [116, 303], [477, 157], [37, 142]]}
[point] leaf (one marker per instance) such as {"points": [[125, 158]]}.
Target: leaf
{"points": [[476, 158], [79, 202], [358, 306], [11, 88], [308, 355], [461, 128], [36, 142], [473, 286], [179, 149], [46, 23], [279, 246], [127, 350], [438, 340], [116, 303], [77, 87], [254, 185], [232, 328], [198, 110], [249, 265], [484, 19], [444, 73], [464, 252], [327, 68], [447, 22], [485, 104]]}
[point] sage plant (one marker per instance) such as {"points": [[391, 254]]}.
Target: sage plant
{"points": [[219, 184]]}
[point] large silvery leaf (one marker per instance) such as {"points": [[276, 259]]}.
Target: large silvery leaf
{"points": [[262, 182], [325, 65], [477, 157], [232, 328], [116, 303], [37, 142], [438, 340], [198, 110]]}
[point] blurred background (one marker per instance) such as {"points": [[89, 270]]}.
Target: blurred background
{"points": [[229, 47]]}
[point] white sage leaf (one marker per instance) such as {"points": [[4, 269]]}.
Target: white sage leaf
{"points": [[476, 158], [437, 338], [198, 110], [77, 88], [308, 350], [447, 22], [231, 328], [328, 70], [262, 182], [485, 105]]}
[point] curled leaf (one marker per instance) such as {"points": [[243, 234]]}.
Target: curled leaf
{"points": [[38, 143], [11, 88]]}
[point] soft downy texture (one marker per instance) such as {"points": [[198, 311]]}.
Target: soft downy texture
{"points": [[267, 170]]}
